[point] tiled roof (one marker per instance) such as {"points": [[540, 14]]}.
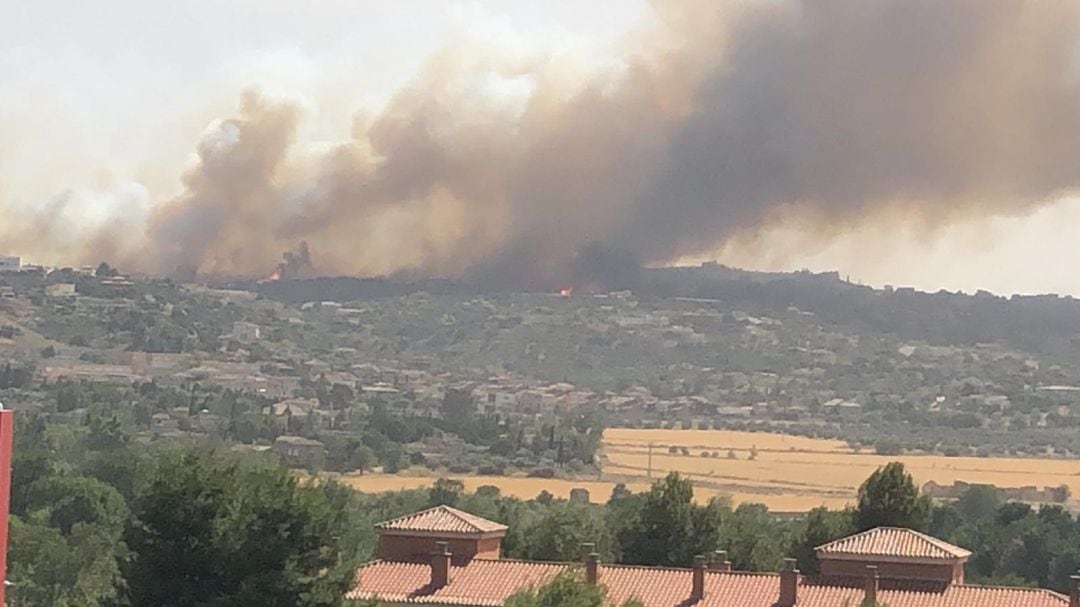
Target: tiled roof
{"points": [[893, 542], [480, 582], [442, 519], [484, 583]]}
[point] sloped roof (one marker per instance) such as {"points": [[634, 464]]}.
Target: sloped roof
{"points": [[442, 519], [484, 582], [893, 542]]}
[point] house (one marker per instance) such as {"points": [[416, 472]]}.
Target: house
{"points": [[300, 451], [60, 290], [162, 423], [10, 264], [579, 495], [447, 557], [245, 332], [897, 554], [295, 409], [413, 537]]}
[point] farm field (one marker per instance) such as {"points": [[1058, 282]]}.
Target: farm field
{"points": [[599, 491], [803, 470], [788, 473]]}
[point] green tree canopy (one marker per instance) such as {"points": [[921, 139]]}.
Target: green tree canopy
{"points": [[661, 531], [890, 498], [215, 533], [979, 502], [821, 527], [47, 568], [445, 491], [557, 535], [66, 501], [565, 590]]}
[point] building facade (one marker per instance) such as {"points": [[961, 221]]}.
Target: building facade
{"points": [[10, 264]]}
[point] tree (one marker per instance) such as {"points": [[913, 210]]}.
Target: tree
{"points": [[566, 589], [821, 527], [215, 533], [561, 530], [619, 492], [979, 502], [458, 406], [67, 501], [445, 491], [27, 467], [662, 531], [890, 498], [104, 270], [47, 568]]}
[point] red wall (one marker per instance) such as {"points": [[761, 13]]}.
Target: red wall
{"points": [[7, 425], [419, 549], [946, 572]]}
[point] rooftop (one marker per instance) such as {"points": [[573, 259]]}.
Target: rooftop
{"points": [[484, 582], [893, 542], [442, 519], [298, 441]]}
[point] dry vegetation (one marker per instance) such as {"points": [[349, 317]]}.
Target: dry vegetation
{"points": [[787, 473], [789, 470]]}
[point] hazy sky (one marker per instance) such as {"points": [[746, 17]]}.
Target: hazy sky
{"points": [[107, 100], [130, 84]]}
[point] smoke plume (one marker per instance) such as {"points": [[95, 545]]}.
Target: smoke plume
{"points": [[530, 170]]}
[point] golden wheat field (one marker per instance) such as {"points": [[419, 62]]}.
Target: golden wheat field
{"points": [[522, 487], [805, 471], [788, 473]]}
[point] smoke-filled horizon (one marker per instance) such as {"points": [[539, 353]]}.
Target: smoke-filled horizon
{"points": [[724, 118]]}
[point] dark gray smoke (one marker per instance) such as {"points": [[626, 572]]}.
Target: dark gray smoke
{"points": [[725, 115], [295, 264]]}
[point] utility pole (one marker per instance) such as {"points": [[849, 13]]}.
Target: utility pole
{"points": [[648, 474]]}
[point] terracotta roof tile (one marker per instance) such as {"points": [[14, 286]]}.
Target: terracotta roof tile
{"points": [[442, 519], [893, 542], [480, 582], [489, 582]]}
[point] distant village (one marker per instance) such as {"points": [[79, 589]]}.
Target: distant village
{"points": [[712, 365]]}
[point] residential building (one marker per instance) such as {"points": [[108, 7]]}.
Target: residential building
{"points": [[447, 557], [10, 264], [60, 290], [414, 537], [299, 451], [245, 332], [898, 554]]}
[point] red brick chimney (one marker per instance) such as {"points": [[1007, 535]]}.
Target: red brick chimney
{"points": [[789, 584], [440, 565], [1074, 591], [698, 591], [720, 562], [592, 562], [872, 581], [592, 568]]}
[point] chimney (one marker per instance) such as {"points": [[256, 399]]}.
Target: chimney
{"points": [[698, 591], [440, 565], [592, 562], [592, 568], [872, 581], [720, 562], [789, 584], [1074, 591]]}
